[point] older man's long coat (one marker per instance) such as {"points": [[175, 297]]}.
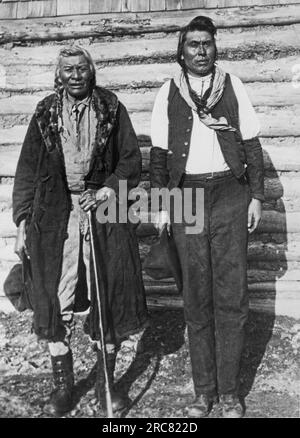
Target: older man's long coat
{"points": [[41, 197]]}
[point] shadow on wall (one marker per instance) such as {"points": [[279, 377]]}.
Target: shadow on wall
{"points": [[267, 267]]}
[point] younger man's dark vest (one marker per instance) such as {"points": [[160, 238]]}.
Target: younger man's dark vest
{"points": [[180, 129]]}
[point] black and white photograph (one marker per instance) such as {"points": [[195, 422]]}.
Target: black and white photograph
{"points": [[149, 211]]}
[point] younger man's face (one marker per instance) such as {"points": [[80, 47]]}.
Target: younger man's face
{"points": [[75, 75], [199, 52]]}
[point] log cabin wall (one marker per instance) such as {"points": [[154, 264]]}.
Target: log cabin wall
{"points": [[20, 9], [133, 44]]}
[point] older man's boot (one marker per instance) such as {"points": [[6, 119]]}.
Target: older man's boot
{"points": [[61, 398], [117, 399]]}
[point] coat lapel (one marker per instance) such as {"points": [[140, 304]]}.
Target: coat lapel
{"points": [[47, 119], [105, 104]]}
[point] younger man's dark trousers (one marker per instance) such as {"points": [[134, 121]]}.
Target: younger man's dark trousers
{"points": [[214, 270]]}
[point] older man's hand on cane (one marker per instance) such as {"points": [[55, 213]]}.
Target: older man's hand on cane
{"points": [[91, 198]]}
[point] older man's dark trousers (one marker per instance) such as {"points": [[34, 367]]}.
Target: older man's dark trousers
{"points": [[214, 270]]}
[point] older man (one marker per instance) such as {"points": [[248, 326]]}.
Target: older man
{"points": [[79, 145], [204, 135]]}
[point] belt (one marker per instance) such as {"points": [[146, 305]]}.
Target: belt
{"points": [[207, 176]]}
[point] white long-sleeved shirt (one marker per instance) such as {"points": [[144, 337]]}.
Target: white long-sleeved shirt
{"points": [[205, 153]]}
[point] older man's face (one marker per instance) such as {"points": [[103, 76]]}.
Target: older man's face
{"points": [[199, 52], [75, 75]]}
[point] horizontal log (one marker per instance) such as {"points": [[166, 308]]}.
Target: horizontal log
{"points": [[263, 256], [270, 146], [275, 222], [18, 108], [233, 44], [283, 205], [272, 222], [270, 255], [268, 276], [260, 282], [9, 258], [289, 288], [6, 306], [254, 276], [281, 159], [33, 79], [278, 151], [10, 241], [274, 238], [8, 160], [285, 272], [12, 136], [252, 70], [7, 227], [7, 254], [20, 104], [266, 261], [283, 306], [160, 289], [274, 123], [283, 188], [6, 192], [95, 26], [281, 192], [268, 252], [267, 94], [265, 252], [285, 303], [276, 157], [277, 197]]}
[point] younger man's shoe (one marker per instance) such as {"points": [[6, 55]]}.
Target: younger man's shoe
{"points": [[201, 406], [231, 406]]}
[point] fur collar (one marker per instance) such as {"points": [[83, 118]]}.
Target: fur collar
{"points": [[105, 104]]}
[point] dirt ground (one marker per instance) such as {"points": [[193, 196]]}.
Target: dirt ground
{"points": [[154, 372]]}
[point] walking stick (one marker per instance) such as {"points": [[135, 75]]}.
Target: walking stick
{"points": [[102, 342]]}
